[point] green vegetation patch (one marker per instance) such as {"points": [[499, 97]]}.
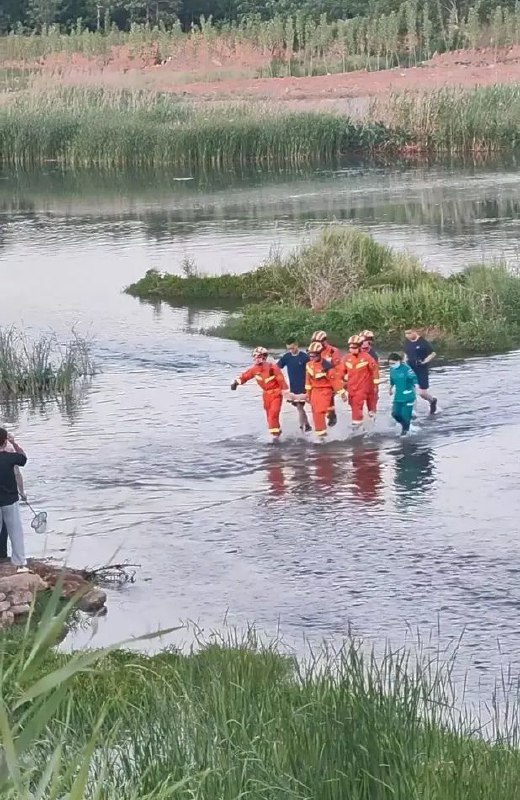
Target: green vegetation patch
{"points": [[344, 282], [29, 367], [106, 128], [454, 120], [237, 719]]}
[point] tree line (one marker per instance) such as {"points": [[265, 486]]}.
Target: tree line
{"points": [[35, 15]]}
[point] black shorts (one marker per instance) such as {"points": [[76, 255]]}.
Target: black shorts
{"points": [[423, 378], [297, 403]]}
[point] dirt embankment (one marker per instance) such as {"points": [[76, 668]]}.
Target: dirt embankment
{"points": [[219, 71]]}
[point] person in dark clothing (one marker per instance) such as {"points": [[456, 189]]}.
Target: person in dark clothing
{"points": [[295, 361], [19, 482], [9, 497], [419, 355]]}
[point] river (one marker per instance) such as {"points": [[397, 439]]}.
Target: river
{"points": [[158, 463]]}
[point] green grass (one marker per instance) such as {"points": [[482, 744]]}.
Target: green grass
{"points": [[456, 317], [104, 128], [454, 120], [345, 282], [237, 719], [43, 365]]}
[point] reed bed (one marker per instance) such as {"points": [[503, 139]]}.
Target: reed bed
{"points": [[29, 367], [453, 120], [236, 718], [104, 128], [295, 44]]}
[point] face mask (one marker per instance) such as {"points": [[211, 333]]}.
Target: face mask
{"points": [[395, 366]]}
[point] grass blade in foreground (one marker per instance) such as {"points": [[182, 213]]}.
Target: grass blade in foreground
{"points": [[238, 719]]}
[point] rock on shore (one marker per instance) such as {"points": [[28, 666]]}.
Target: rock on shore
{"points": [[18, 589]]}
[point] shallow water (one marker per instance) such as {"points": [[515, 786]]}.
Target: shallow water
{"points": [[159, 464]]}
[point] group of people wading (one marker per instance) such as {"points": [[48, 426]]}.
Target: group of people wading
{"points": [[321, 373]]}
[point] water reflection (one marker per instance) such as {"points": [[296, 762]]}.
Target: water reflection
{"points": [[342, 469], [358, 471], [457, 208], [41, 407], [414, 475], [367, 484]]}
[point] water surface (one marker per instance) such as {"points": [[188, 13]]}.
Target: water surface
{"points": [[160, 464]]}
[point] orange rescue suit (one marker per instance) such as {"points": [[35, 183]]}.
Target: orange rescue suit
{"points": [[272, 383], [361, 373], [331, 354], [320, 386]]}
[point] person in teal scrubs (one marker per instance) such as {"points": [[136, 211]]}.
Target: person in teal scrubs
{"points": [[403, 381]]}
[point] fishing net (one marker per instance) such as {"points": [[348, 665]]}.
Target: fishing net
{"points": [[39, 522]]}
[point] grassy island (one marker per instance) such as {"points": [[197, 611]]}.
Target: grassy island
{"points": [[344, 282]]}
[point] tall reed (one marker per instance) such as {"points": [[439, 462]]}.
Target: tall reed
{"points": [[294, 44], [453, 120], [103, 128], [31, 366]]}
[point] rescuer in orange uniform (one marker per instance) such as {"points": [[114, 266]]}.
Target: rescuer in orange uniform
{"points": [[320, 384], [332, 355], [272, 383], [367, 346], [361, 373]]}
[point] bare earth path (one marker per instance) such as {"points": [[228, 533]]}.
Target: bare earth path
{"points": [[200, 75]]}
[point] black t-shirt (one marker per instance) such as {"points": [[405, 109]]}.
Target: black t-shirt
{"points": [[8, 487], [416, 352]]}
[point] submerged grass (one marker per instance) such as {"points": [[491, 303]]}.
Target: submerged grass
{"points": [[30, 367], [238, 719], [345, 282]]}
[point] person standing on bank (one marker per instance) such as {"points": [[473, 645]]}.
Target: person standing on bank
{"points": [[9, 497], [419, 355]]}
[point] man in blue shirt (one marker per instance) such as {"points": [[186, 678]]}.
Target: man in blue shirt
{"points": [[419, 354], [295, 361]]}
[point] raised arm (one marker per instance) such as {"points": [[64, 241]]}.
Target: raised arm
{"points": [[19, 457]]}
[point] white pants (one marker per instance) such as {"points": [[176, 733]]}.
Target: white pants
{"points": [[13, 522]]}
